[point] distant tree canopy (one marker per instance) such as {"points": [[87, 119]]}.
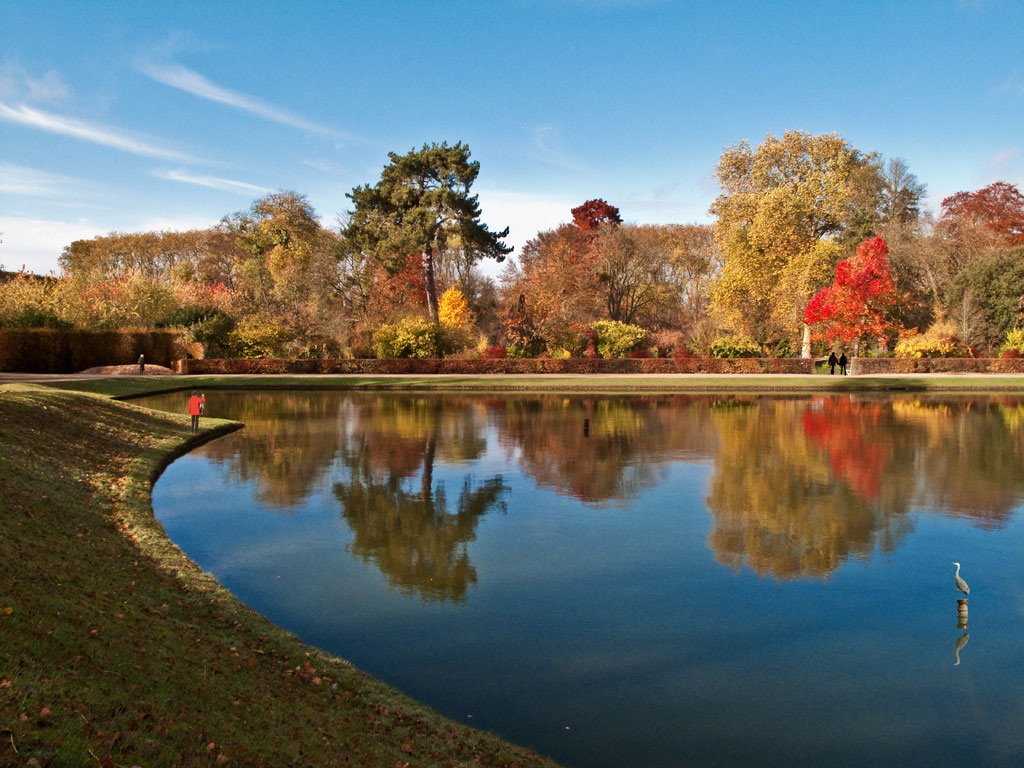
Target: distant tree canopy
{"points": [[797, 240], [202, 254], [599, 268]]}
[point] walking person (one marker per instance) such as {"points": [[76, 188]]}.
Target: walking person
{"points": [[196, 406], [142, 364], [832, 360], [842, 364]]}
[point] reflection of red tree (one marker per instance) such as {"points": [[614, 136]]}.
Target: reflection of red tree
{"points": [[850, 432]]}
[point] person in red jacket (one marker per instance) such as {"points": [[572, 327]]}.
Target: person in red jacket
{"points": [[196, 405]]}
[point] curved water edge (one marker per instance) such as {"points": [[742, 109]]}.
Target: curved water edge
{"points": [[155, 464], [365, 532]]}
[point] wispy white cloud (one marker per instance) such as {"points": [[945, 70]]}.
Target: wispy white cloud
{"points": [[21, 180], [324, 165], [547, 145], [96, 133], [190, 81], [1012, 84], [17, 84], [212, 182]]}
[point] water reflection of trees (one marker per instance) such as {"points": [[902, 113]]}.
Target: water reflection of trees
{"points": [[788, 498], [972, 456], [401, 524], [798, 484], [626, 448], [287, 446]]}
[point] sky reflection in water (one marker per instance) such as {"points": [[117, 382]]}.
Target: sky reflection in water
{"points": [[697, 580]]}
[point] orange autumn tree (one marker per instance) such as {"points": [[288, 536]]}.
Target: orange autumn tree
{"points": [[859, 301]]}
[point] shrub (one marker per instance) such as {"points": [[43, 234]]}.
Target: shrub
{"points": [[412, 337], [782, 348], [319, 348], [938, 341], [187, 316], [1011, 353], [615, 339], [734, 346], [666, 342], [1014, 342], [37, 317], [454, 340], [496, 352], [214, 333], [257, 336], [639, 354], [923, 346]]}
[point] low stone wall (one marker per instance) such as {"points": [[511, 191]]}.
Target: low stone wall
{"points": [[504, 366], [866, 366]]}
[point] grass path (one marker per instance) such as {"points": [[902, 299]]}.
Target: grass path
{"points": [[126, 386], [116, 650]]}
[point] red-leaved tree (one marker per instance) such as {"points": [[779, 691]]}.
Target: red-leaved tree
{"points": [[593, 213], [997, 210], [860, 299]]}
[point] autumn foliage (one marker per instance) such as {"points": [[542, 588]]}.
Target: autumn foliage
{"points": [[594, 213], [857, 304], [996, 210]]}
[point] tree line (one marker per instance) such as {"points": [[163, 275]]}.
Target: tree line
{"points": [[815, 244]]}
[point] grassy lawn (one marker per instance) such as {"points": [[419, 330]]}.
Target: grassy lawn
{"points": [[126, 386], [118, 651]]}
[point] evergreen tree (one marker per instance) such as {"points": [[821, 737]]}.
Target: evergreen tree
{"points": [[422, 204]]}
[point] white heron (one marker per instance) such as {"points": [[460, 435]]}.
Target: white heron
{"points": [[960, 583]]}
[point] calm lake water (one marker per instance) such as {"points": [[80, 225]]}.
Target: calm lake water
{"points": [[690, 580]]}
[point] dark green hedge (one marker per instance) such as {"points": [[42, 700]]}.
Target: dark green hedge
{"points": [[499, 366], [47, 350]]}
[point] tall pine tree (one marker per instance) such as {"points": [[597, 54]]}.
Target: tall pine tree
{"points": [[422, 204]]}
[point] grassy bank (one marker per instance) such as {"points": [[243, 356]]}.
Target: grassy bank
{"points": [[651, 383], [118, 651]]}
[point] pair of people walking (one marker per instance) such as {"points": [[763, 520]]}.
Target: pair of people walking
{"points": [[833, 361], [196, 408]]}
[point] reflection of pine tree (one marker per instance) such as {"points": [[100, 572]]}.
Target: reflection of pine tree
{"points": [[411, 535]]}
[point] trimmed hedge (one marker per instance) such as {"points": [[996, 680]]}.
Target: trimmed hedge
{"points": [[866, 366], [499, 366], [50, 350]]}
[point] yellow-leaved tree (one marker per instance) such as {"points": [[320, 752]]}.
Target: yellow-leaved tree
{"points": [[778, 217], [453, 310]]}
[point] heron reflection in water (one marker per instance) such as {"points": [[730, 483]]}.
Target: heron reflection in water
{"points": [[960, 643], [960, 583]]}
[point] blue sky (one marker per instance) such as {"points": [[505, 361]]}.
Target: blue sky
{"points": [[136, 116]]}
